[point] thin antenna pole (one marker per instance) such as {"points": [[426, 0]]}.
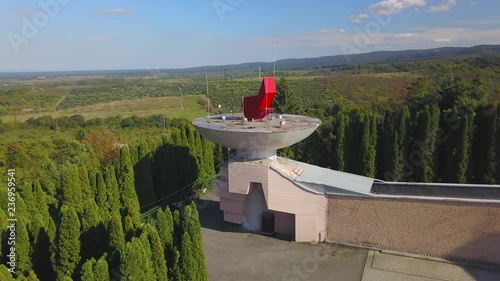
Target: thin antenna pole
{"points": [[274, 66], [208, 100]]}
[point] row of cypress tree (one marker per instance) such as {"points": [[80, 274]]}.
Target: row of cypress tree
{"points": [[87, 226], [447, 135]]}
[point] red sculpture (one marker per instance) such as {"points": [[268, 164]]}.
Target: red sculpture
{"points": [[258, 107]]}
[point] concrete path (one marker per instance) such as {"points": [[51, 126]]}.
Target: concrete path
{"points": [[382, 266], [233, 254]]}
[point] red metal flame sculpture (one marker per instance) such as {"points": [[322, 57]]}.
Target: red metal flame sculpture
{"points": [[258, 107]]}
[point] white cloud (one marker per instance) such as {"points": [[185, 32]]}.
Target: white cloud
{"points": [[358, 18], [405, 35], [446, 5], [419, 38], [476, 22], [472, 2], [395, 6], [441, 40], [116, 11], [388, 7], [101, 39], [331, 30]]}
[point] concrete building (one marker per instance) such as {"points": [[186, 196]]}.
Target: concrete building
{"points": [[306, 203]]}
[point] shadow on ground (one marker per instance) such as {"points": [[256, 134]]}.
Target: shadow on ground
{"points": [[485, 253], [211, 217]]}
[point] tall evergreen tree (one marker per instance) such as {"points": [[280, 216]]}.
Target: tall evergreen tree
{"points": [[87, 191], [113, 194], [22, 246], [136, 261], [425, 142], [464, 148], [116, 235], [71, 186], [177, 228], [389, 153], [3, 225], [368, 148], [87, 272], [40, 198], [193, 227], [338, 149], [101, 196], [101, 271], [144, 176], [157, 254], [90, 238], [402, 143], [93, 181], [165, 225], [189, 268], [125, 179], [482, 161], [66, 247], [497, 146], [5, 274]]}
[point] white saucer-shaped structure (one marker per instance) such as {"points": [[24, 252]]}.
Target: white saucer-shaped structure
{"points": [[259, 138]]}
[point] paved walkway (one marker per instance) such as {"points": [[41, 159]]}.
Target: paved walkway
{"points": [[233, 254], [381, 266]]}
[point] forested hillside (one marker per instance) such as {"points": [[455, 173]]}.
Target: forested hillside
{"points": [[79, 200], [448, 132]]}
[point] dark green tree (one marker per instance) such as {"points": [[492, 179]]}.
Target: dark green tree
{"points": [[157, 254], [135, 261], [71, 187], [189, 267], [116, 235], [66, 247], [23, 248], [369, 143], [497, 146], [87, 272], [5, 274], [101, 271], [165, 226], [113, 194], [144, 176], [191, 224], [286, 100], [463, 148], [338, 144], [425, 143], [125, 179], [101, 196]]}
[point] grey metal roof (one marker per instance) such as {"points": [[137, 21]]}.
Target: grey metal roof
{"points": [[323, 180]]}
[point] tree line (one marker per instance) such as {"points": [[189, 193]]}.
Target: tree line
{"points": [[444, 133], [79, 210]]}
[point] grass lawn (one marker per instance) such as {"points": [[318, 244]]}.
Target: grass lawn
{"points": [[193, 107]]}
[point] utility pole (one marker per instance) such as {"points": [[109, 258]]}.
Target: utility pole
{"points": [[182, 104]]}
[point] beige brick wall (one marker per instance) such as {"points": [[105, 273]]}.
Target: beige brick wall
{"points": [[469, 231]]}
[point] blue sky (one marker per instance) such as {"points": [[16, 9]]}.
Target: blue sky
{"points": [[149, 34]]}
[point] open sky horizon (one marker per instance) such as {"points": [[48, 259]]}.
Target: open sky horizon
{"points": [[62, 35]]}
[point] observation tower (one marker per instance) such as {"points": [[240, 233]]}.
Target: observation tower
{"points": [[256, 187]]}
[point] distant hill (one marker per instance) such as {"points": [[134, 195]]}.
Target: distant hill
{"points": [[366, 58], [285, 64]]}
